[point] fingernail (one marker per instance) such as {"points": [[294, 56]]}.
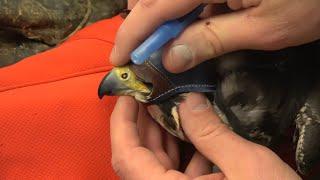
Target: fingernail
{"points": [[113, 55], [197, 102], [180, 57]]}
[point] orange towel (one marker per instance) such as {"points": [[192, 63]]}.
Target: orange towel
{"points": [[52, 123]]}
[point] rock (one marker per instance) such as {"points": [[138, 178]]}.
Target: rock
{"points": [[28, 27]]}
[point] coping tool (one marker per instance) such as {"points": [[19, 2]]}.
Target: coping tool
{"points": [[164, 33]]}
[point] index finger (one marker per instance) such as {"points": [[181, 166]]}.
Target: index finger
{"points": [[144, 18], [128, 156], [123, 125]]}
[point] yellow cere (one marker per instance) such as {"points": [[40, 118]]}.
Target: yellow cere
{"points": [[125, 74]]}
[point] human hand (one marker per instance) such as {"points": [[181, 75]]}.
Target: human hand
{"points": [[142, 152], [141, 149], [257, 24]]}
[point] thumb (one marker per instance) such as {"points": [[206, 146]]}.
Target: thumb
{"points": [[211, 137], [215, 36]]}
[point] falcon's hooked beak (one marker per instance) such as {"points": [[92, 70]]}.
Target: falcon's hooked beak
{"points": [[123, 81]]}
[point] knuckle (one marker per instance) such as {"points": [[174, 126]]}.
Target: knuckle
{"points": [[260, 153], [212, 38], [268, 33], [276, 40], [212, 131], [152, 5], [250, 3], [262, 150], [175, 175], [147, 3], [234, 4], [123, 163], [272, 35], [118, 165]]}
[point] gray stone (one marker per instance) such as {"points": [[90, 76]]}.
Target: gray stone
{"points": [[28, 27]]}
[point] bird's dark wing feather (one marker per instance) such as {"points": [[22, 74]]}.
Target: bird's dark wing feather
{"points": [[308, 128]]}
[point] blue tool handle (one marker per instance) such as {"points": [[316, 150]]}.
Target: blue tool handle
{"points": [[166, 32], [152, 44]]}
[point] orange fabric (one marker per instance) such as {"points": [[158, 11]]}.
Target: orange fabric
{"points": [[52, 123]]}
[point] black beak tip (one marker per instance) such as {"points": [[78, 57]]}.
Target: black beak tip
{"points": [[108, 86], [103, 89], [100, 95]]}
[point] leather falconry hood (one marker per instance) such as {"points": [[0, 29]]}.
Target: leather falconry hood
{"points": [[202, 78]]}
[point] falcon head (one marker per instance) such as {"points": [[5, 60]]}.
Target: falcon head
{"points": [[122, 81]]}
